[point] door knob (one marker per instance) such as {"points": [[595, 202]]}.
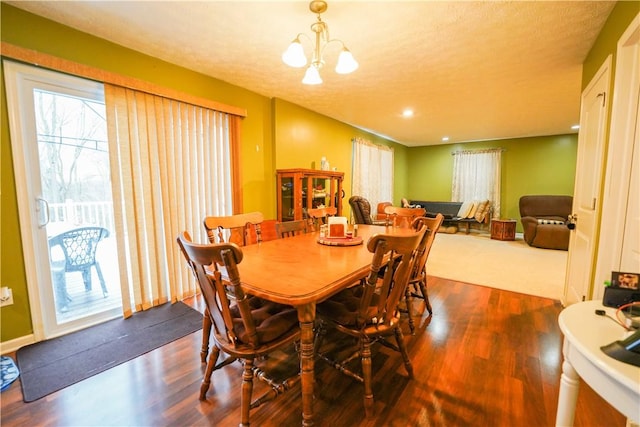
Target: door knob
{"points": [[571, 221]]}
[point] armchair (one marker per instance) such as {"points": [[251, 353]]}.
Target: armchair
{"points": [[361, 209], [380, 213], [544, 221]]}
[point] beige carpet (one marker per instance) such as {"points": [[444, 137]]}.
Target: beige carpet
{"points": [[510, 265]]}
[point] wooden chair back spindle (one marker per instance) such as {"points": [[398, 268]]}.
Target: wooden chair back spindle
{"points": [[318, 216], [291, 228], [237, 227], [402, 217]]}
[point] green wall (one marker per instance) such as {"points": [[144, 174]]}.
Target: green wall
{"points": [[258, 149], [539, 165], [303, 138], [606, 43]]}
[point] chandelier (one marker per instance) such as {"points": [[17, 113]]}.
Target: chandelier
{"points": [[294, 55]]}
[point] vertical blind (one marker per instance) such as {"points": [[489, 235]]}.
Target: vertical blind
{"points": [[172, 164]]}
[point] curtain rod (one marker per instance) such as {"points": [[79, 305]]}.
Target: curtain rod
{"points": [[487, 150], [359, 140]]}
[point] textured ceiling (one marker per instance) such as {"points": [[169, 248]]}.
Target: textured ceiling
{"points": [[470, 70]]}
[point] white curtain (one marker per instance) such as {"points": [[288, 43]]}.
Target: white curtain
{"points": [[476, 176], [372, 172], [170, 166]]}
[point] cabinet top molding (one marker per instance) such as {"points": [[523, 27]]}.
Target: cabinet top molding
{"points": [[315, 172]]}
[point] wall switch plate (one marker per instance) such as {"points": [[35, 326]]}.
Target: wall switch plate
{"points": [[6, 296]]}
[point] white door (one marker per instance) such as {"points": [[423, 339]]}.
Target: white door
{"points": [[61, 160], [588, 186]]}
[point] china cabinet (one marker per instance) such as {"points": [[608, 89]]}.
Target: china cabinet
{"points": [[300, 189]]}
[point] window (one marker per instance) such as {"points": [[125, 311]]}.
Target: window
{"points": [[372, 172], [476, 176]]}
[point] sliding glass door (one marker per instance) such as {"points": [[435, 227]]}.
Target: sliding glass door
{"points": [[61, 160]]}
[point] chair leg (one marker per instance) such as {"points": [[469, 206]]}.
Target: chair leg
{"points": [[101, 279], [423, 289], [211, 365], [403, 351], [206, 335], [408, 298], [86, 278], [60, 286], [365, 354], [247, 390], [319, 338], [277, 387]]}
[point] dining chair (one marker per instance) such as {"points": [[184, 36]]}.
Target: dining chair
{"points": [[417, 286], [234, 228], [318, 216], [241, 229], [402, 217], [206, 320], [247, 328], [291, 228], [369, 312], [267, 232]]}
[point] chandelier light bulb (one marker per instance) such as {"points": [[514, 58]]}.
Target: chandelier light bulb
{"points": [[294, 55], [346, 62], [312, 76]]}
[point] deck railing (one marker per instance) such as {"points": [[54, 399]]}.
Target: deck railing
{"points": [[85, 213]]}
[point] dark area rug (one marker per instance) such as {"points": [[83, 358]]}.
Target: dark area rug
{"points": [[51, 365]]}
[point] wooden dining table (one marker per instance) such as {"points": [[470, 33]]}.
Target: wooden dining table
{"points": [[301, 272]]}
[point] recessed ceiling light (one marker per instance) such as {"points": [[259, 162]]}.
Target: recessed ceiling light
{"points": [[575, 127], [407, 113], [445, 138]]}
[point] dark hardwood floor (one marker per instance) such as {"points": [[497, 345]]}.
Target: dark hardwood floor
{"points": [[485, 358]]}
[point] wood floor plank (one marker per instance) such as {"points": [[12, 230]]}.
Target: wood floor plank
{"points": [[485, 358]]}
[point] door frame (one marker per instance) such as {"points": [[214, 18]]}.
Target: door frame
{"points": [[625, 113], [33, 236]]}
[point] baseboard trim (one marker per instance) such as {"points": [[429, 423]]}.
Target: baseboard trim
{"points": [[15, 344]]}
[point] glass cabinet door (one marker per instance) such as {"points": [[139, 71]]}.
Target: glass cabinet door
{"points": [[321, 190], [287, 199]]}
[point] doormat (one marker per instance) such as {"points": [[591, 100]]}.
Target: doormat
{"points": [[54, 364]]}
